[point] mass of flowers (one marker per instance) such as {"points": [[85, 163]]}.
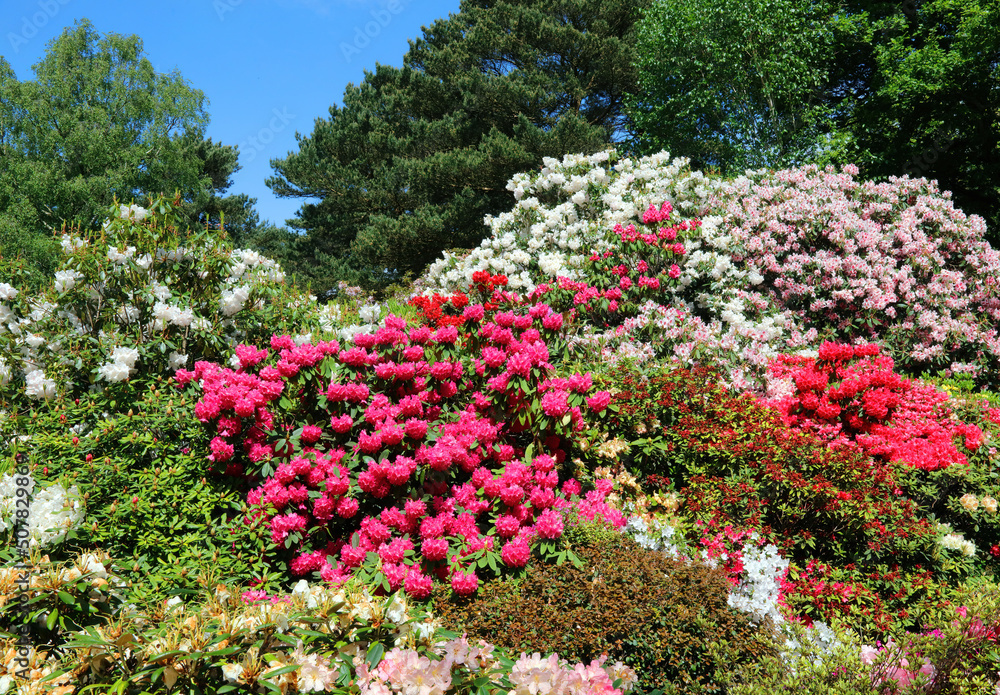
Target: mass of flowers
{"points": [[396, 448], [771, 262], [851, 394], [138, 299], [727, 372]]}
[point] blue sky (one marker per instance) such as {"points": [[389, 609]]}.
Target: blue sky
{"points": [[269, 68]]}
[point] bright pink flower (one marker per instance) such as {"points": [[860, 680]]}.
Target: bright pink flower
{"points": [[507, 526], [515, 553], [347, 507], [512, 494], [432, 527], [599, 401], [221, 449], [434, 549], [464, 584], [417, 584], [555, 404], [341, 424], [549, 524], [311, 434], [395, 573]]}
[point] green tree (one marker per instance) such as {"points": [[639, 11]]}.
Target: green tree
{"points": [[98, 123], [416, 156], [732, 85], [897, 88], [916, 89]]}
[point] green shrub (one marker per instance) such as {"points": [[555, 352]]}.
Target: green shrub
{"points": [[666, 619]]}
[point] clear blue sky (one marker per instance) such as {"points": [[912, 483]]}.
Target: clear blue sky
{"points": [[269, 68]]}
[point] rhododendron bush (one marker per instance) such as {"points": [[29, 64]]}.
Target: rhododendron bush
{"points": [[859, 524], [412, 453], [137, 300], [772, 262], [851, 394], [893, 262]]}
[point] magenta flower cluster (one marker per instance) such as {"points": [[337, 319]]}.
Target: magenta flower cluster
{"points": [[405, 452]]}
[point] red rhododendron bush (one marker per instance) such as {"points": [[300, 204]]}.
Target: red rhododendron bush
{"points": [[412, 454], [852, 395]]}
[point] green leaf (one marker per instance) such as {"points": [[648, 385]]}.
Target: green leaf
{"points": [[375, 653], [67, 598]]}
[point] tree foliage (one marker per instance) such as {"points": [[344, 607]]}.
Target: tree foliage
{"points": [[896, 88], [732, 85], [98, 123], [916, 87], [416, 156]]}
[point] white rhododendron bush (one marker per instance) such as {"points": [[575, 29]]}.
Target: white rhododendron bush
{"points": [[776, 262], [141, 299]]}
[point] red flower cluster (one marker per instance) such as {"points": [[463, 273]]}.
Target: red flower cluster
{"points": [[850, 395]]}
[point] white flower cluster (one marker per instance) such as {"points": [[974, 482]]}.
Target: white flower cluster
{"points": [[120, 257], [369, 314], [71, 243], [67, 279], [234, 299], [758, 591], [133, 212], [121, 365], [53, 512], [955, 541], [166, 314], [655, 535], [38, 387], [250, 266], [566, 211], [5, 372]]}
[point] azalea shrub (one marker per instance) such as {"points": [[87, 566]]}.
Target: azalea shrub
{"points": [[851, 396], [732, 462], [409, 454], [668, 619], [956, 654], [564, 212]]}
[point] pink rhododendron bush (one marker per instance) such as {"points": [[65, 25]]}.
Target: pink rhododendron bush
{"points": [[893, 262], [411, 454]]}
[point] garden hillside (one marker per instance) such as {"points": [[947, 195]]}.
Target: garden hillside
{"points": [[661, 432]]}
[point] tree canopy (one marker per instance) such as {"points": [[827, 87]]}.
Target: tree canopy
{"points": [[98, 123], [896, 88], [417, 155], [732, 85]]}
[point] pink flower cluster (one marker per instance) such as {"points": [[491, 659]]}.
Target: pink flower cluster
{"points": [[901, 671], [411, 447], [640, 268], [459, 663], [851, 395], [893, 262]]}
